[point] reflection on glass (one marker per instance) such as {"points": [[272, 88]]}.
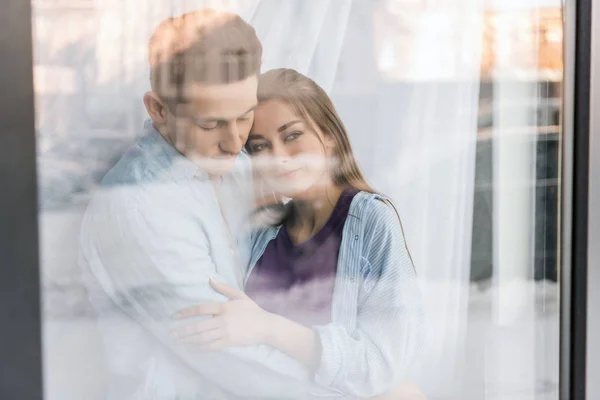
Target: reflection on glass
{"points": [[453, 112]]}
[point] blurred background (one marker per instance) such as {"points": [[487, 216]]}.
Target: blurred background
{"points": [[453, 108]]}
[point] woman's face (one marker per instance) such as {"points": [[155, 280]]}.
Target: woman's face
{"points": [[290, 155]]}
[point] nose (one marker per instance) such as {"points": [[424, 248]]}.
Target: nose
{"points": [[278, 151], [280, 155], [231, 141]]}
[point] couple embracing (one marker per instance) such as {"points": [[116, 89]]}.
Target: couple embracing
{"points": [[236, 251]]}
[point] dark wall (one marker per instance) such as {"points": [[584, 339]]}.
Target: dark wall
{"points": [[20, 332]]}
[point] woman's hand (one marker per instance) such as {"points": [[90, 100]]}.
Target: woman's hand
{"points": [[237, 322], [404, 391]]}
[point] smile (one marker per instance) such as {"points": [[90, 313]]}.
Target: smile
{"points": [[288, 174]]}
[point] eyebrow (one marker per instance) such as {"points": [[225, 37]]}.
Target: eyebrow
{"points": [[285, 126], [255, 136], [279, 130]]}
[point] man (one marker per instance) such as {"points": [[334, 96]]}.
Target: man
{"points": [[171, 214]]}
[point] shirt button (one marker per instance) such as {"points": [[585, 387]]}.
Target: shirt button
{"points": [[352, 279], [356, 237]]}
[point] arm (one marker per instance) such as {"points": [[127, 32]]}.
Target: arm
{"points": [[369, 361], [241, 322], [154, 262], [303, 344], [389, 335], [295, 340]]}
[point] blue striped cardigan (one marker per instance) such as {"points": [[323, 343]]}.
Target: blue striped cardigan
{"points": [[377, 330]]}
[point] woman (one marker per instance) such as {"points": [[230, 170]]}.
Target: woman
{"points": [[332, 284]]}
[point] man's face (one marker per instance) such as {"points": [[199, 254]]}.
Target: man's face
{"points": [[213, 126]]}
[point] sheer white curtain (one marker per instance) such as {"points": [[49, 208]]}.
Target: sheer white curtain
{"points": [[304, 35], [411, 117], [424, 157]]}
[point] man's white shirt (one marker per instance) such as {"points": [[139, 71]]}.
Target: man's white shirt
{"points": [[152, 236]]}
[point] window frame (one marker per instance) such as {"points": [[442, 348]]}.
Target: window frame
{"points": [[20, 322]]}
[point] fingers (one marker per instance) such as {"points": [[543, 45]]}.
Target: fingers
{"points": [[197, 328], [407, 391], [199, 310], [214, 345], [226, 290], [203, 339]]}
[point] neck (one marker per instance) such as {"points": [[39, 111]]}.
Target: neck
{"points": [[310, 213], [163, 130]]}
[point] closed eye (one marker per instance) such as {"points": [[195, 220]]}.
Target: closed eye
{"points": [[210, 124], [219, 124]]}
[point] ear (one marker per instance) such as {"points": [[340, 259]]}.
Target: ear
{"points": [[156, 108]]}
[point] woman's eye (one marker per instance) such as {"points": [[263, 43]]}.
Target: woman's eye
{"points": [[257, 147], [292, 136]]}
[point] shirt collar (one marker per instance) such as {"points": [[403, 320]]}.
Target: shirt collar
{"points": [[178, 166]]}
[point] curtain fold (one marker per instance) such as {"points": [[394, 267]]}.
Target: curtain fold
{"points": [[413, 124], [305, 35]]}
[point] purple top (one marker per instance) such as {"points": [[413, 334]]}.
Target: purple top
{"points": [[296, 281]]}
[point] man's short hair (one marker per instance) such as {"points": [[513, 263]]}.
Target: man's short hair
{"points": [[203, 46]]}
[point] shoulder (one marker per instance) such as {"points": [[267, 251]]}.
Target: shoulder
{"points": [[377, 222], [134, 167], [374, 209], [383, 243]]}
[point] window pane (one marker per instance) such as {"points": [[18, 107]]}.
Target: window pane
{"points": [[453, 111]]}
